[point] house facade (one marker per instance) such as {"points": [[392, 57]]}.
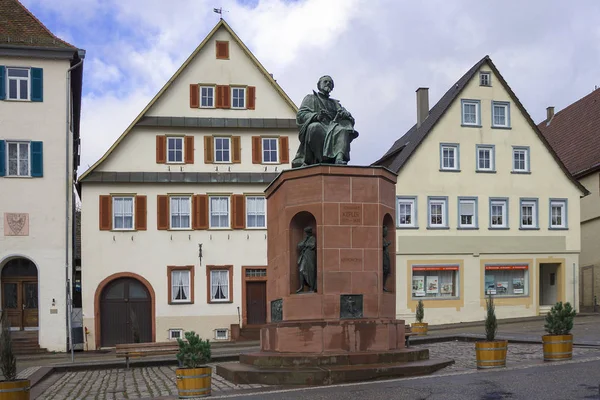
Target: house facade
{"points": [[174, 215], [574, 133], [484, 206], [40, 101]]}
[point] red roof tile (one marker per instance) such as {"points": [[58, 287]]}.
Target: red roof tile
{"points": [[20, 27], [574, 134]]}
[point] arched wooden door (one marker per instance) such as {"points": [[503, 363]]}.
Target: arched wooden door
{"points": [[125, 313], [20, 294]]}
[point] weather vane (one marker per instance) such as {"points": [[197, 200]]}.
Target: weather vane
{"points": [[219, 11]]}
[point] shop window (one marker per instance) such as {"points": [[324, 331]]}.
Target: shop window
{"points": [[435, 281], [507, 280]]}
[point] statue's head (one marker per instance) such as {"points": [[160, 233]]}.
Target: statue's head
{"points": [[325, 84], [308, 230]]}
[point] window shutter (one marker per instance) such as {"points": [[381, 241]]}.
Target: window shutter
{"points": [[141, 216], [105, 213], [161, 149], [2, 82], [200, 216], [239, 211], [194, 96], [236, 144], [223, 96], [222, 50], [256, 150], [37, 84], [2, 158], [208, 150], [37, 159], [284, 150], [162, 212], [189, 149], [251, 100]]}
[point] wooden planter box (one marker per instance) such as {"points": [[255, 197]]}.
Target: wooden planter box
{"points": [[557, 347], [15, 390], [193, 382], [419, 328], [491, 354]]}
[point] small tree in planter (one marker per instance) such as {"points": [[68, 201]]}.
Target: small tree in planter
{"points": [[491, 353], [194, 376], [558, 343], [10, 386], [419, 327]]}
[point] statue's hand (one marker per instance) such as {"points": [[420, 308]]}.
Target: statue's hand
{"points": [[323, 116]]}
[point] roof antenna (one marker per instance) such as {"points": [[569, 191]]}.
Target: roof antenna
{"points": [[219, 11]]}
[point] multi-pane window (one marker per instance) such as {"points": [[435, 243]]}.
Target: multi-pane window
{"points": [[222, 149], [520, 159], [269, 149], [174, 149], [122, 212], [256, 212], [467, 213], [180, 212], [219, 285], [485, 158], [558, 214], [500, 114], [18, 158], [175, 333], [485, 79], [18, 83], [498, 213], [180, 286], [219, 211], [528, 213], [238, 97], [438, 213], [470, 112], [256, 272], [449, 157], [406, 212], [207, 96]]}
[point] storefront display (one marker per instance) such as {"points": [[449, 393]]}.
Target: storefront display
{"points": [[507, 279], [435, 281]]}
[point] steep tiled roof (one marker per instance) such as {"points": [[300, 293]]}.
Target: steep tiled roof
{"points": [[20, 27], [574, 133], [403, 148]]}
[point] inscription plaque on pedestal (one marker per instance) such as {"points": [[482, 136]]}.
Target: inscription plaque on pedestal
{"points": [[350, 214]]}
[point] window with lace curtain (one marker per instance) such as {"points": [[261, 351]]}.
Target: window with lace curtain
{"points": [[219, 285], [181, 284]]}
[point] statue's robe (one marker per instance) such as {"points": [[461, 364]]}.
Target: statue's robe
{"points": [[307, 261]]}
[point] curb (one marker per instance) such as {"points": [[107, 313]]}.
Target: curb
{"points": [[504, 321], [466, 337]]}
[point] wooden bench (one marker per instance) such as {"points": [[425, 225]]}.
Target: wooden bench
{"points": [[407, 334], [145, 349]]}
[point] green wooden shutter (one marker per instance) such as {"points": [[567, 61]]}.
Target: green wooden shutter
{"points": [[37, 84], [37, 159], [2, 82], [2, 158]]}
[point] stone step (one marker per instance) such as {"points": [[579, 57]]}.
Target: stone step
{"points": [[250, 333]]}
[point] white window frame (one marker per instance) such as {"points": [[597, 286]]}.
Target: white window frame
{"points": [[424, 270], [228, 139], [525, 151], [210, 97], [227, 298], [475, 218], [257, 213], [492, 150], [455, 148], [180, 198], [489, 78], [18, 79], [220, 213], [443, 202], [18, 143], [562, 203], [173, 140], [114, 217], [503, 202], [506, 106], [180, 331], [243, 98], [477, 105], [276, 140], [533, 203], [406, 201], [173, 291], [221, 330]]}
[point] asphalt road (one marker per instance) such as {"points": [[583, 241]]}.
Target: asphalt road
{"points": [[569, 380]]}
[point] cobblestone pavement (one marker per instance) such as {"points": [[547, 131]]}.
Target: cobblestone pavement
{"points": [[135, 383], [464, 356]]}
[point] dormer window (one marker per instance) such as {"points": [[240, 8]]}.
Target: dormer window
{"points": [[485, 79]]}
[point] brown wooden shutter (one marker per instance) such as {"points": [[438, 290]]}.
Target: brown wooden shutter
{"points": [[162, 212], [194, 96], [200, 216], [140, 213], [222, 50], [208, 150], [189, 149], [256, 150], [239, 211], [161, 149], [251, 98], [236, 144], [284, 150], [223, 96], [105, 213]]}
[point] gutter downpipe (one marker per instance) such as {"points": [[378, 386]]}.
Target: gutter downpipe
{"points": [[68, 198], [574, 288]]}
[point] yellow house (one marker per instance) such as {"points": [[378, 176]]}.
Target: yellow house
{"points": [[484, 206]]}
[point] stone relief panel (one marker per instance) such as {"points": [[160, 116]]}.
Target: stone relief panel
{"points": [[16, 224]]}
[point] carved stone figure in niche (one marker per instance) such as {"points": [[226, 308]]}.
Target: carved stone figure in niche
{"points": [[307, 261], [326, 128], [386, 258]]}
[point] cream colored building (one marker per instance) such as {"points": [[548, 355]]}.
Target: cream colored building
{"points": [[174, 216], [483, 206], [40, 99]]}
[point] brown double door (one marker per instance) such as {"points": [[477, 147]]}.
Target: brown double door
{"points": [[256, 302], [20, 300]]}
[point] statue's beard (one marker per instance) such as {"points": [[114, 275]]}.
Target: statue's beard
{"points": [[326, 90]]}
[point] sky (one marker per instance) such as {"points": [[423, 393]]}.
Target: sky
{"points": [[377, 51]]}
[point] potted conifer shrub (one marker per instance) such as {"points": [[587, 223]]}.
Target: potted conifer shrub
{"points": [[558, 343], [11, 388], [193, 376], [419, 327], [491, 352]]}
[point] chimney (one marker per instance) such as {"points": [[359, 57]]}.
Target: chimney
{"points": [[549, 113], [422, 105]]}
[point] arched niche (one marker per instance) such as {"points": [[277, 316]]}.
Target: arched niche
{"points": [[300, 221], [388, 222]]}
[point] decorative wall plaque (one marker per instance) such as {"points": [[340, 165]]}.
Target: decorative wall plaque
{"points": [[277, 310], [350, 214], [351, 306], [16, 224]]}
